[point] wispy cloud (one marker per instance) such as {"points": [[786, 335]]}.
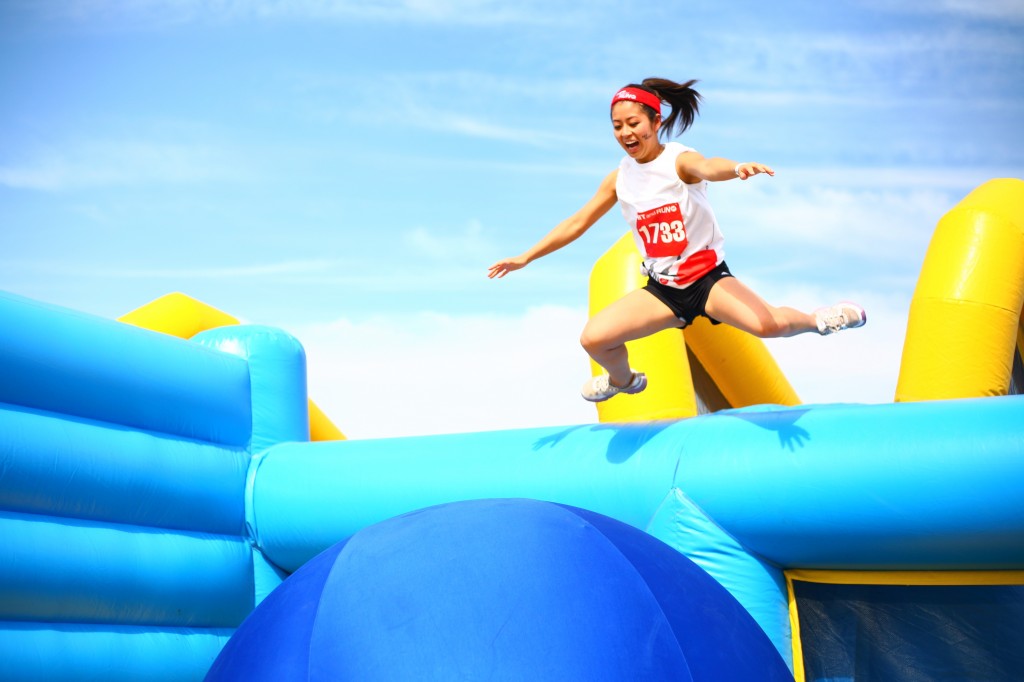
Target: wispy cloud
{"points": [[156, 13], [461, 103], [99, 163], [899, 59], [1000, 10], [879, 216], [454, 245], [260, 270], [469, 126]]}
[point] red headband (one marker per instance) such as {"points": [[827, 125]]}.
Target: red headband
{"points": [[640, 96]]}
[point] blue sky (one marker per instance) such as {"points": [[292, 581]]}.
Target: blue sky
{"points": [[347, 171]]}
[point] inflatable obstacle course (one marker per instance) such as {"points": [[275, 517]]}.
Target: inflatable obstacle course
{"points": [[154, 491]]}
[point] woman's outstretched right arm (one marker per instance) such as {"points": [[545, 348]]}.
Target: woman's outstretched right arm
{"points": [[565, 232]]}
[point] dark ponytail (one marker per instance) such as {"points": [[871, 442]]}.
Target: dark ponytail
{"points": [[681, 97]]}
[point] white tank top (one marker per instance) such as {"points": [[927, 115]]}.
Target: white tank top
{"points": [[673, 224]]}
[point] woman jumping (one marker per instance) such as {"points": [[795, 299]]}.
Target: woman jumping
{"points": [[662, 190]]}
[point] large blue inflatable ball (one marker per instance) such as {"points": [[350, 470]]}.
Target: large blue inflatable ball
{"points": [[507, 589]]}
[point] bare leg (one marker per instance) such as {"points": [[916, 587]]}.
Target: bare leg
{"points": [[733, 303], [634, 316]]}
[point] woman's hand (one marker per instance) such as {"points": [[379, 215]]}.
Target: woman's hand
{"points": [[749, 169], [503, 267]]}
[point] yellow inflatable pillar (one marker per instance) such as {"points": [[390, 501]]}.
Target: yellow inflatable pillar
{"points": [[320, 425], [965, 316], [183, 316], [178, 315], [662, 356], [740, 365]]}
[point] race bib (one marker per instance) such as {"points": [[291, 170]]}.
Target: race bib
{"points": [[662, 231]]}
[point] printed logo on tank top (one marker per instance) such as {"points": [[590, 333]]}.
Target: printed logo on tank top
{"points": [[662, 231]]}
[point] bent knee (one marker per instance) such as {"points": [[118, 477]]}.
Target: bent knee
{"points": [[588, 340], [592, 338]]}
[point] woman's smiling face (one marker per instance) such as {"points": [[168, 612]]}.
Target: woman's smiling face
{"points": [[635, 132]]}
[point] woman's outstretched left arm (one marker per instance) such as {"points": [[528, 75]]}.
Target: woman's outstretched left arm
{"points": [[693, 167]]}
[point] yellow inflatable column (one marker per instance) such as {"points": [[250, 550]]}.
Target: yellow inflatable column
{"points": [[966, 311], [178, 315], [662, 357], [740, 365], [320, 425]]}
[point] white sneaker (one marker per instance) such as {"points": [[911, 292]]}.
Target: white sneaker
{"points": [[841, 316], [600, 387]]}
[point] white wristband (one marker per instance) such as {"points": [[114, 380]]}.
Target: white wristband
{"points": [[737, 169]]}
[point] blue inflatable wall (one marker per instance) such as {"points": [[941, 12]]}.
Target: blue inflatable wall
{"points": [[123, 463], [154, 490]]}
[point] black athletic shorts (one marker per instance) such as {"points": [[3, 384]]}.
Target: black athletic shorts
{"points": [[688, 303]]}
